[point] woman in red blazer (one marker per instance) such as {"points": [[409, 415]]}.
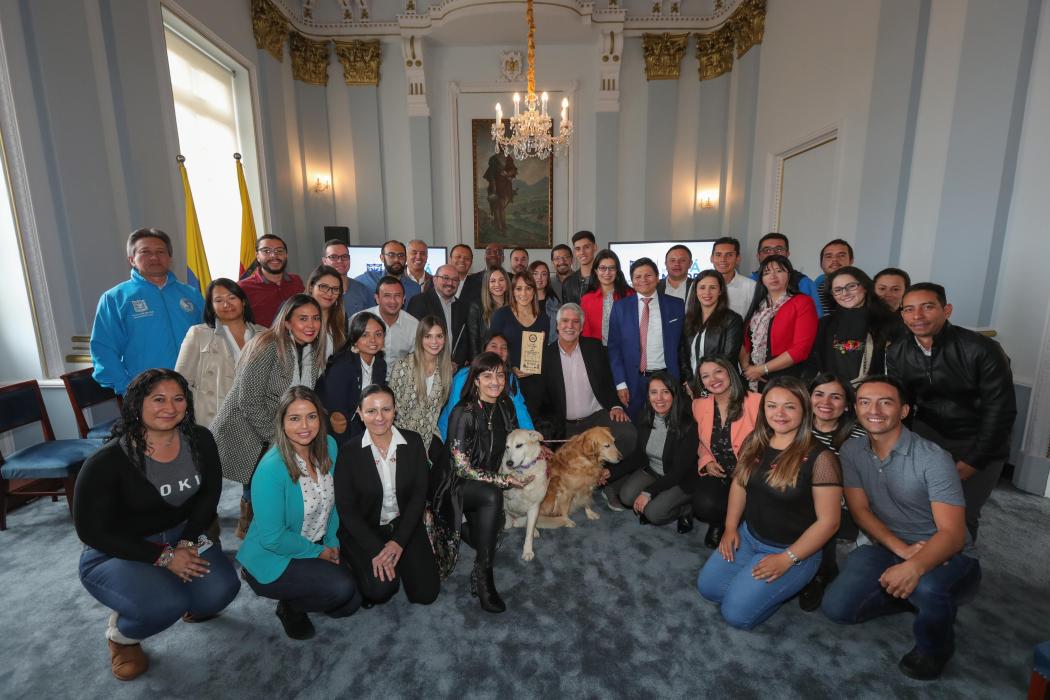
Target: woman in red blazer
{"points": [[780, 326], [607, 280], [725, 416]]}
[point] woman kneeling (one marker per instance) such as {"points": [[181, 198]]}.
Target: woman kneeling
{"points": [[787, 489], [380, 493], [291, 551], [141, 505]]}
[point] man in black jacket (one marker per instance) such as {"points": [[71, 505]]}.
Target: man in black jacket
{"points": [[575, 285], [577, 388], [440, 300], [962, 388]]}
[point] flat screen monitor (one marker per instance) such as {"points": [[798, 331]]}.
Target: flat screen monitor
{"points": [[628, 252], [366, 257]]}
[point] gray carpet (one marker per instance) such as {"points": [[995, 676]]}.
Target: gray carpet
{"points": [[608, 609]]}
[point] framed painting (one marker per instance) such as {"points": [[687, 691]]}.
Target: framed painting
{"points": [[513, 200]]}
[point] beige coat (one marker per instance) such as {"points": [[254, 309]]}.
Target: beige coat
{"points": [[207, 363]]}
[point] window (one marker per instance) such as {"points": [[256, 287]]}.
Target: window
{"points": [[214, 120]]}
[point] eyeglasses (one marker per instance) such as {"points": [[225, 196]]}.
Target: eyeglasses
{"points": [[337, 258], [607, 268], [446, 278], [395, 256], [845, 289], [327, 289], [773, 250], [279, 252]]}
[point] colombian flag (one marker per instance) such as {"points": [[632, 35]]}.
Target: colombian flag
{"points": [[248, 234], [197, 272]]}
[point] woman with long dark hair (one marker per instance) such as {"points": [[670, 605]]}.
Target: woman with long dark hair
{"points": [[780, 325], [288, 353], [711, 329], [495, 294], [725, 415], [141, 506], [209, 353], [784, 506], [325, 284], [664, 457], [851, 340], [606, 286], [361, 362], [545, 295], [291, 551], [478, 429]]}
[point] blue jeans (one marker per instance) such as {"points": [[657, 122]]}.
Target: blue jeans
{"points": [[856, 595], [747, 602], [312, 585], [149, 599]]}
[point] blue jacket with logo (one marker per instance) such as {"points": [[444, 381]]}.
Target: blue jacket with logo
{"points": [[139, 325]]}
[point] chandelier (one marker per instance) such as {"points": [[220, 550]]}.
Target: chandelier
{"points": [[530, 131]]}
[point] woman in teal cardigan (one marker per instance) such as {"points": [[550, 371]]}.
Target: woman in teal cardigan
{"points": [[291, 551]]}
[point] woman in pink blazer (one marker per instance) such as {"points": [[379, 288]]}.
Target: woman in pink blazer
{"points": [[725, 416]]}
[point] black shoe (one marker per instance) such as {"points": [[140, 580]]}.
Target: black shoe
{"points": [[483, 586], [685, 524], [813, 593], [921, 667], [642, 520], [297, 624], [713, 537], [367, 604]]}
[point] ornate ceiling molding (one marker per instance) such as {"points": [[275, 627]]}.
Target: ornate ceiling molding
{"points": [[360, 59], [309, 59], [743, 30], [270, 28], [663, 55]]}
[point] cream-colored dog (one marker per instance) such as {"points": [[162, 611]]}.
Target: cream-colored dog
{"points": [[523, 460]]}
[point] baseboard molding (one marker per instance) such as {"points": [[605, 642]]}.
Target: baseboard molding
{"points": [[1032, 475]]}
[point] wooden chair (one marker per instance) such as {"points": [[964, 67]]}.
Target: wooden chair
{"points": [[30, 471], [85, 392]]}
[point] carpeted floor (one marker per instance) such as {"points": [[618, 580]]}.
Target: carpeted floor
{"points": [[608, 609]]}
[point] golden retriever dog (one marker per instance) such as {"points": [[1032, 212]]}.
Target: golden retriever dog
{"points": [[574, 472], [523, 459]]}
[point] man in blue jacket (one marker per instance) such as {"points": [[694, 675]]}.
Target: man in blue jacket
{"points": [[141, 323]]}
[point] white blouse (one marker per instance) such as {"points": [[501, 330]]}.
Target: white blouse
{"points": [[387, 468], [318, 501]]}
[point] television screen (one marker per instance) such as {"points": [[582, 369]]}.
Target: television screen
{"points": [[366, 257], [657, 250]]}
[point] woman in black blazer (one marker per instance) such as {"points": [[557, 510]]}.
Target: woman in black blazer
{"points": [[711, 329], [380, 491], [358, 364], [663, 466]]}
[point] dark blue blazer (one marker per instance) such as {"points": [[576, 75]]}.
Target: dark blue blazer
{"points": [[339, 389], [625, 348]]}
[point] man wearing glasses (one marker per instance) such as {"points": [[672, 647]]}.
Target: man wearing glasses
{"points": [[392, 257], [270, 284], [777, 244], [440, 300], [356, 296]]}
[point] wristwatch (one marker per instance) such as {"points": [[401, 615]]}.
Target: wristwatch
{"points": [[795, 561]]}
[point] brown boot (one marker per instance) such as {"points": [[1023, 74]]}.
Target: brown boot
{"points": [[129, 661], [245, 520]]}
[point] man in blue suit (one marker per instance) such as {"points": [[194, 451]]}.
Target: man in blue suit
{"points": [[658, 318]]}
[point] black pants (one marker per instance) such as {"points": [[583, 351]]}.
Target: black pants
{"points": [[711, 499], [416, 570], [483, 508], [312, 585]]}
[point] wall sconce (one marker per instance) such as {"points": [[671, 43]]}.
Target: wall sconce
{"points": [[322, 183], [706, 199]]}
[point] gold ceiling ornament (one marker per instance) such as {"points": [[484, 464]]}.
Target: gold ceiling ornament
{"points": [[270, 28], [749, 25], [309, 59], [663, 55], [714, 52], [360, 59]]}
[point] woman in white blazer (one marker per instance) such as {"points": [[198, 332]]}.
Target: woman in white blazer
{"points": [[209, 353]]}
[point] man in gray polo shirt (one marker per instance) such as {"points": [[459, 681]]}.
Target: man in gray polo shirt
{"points": [[905, 493]]}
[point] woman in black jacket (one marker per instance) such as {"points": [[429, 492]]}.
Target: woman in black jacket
{"points": [[380, 491], [142, 505], [358, 364], [711, 329], [477, 436], [663, 466]]}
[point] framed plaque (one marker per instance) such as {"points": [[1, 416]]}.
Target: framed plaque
{"points": [[531, 352]]}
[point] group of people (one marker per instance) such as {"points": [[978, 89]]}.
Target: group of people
{"points": [[365, 421]]}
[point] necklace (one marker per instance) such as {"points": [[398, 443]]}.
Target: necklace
{"points": [[154, 446]]}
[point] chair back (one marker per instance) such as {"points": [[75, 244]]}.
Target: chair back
{"points": [[22, 404], [85, 392]]}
